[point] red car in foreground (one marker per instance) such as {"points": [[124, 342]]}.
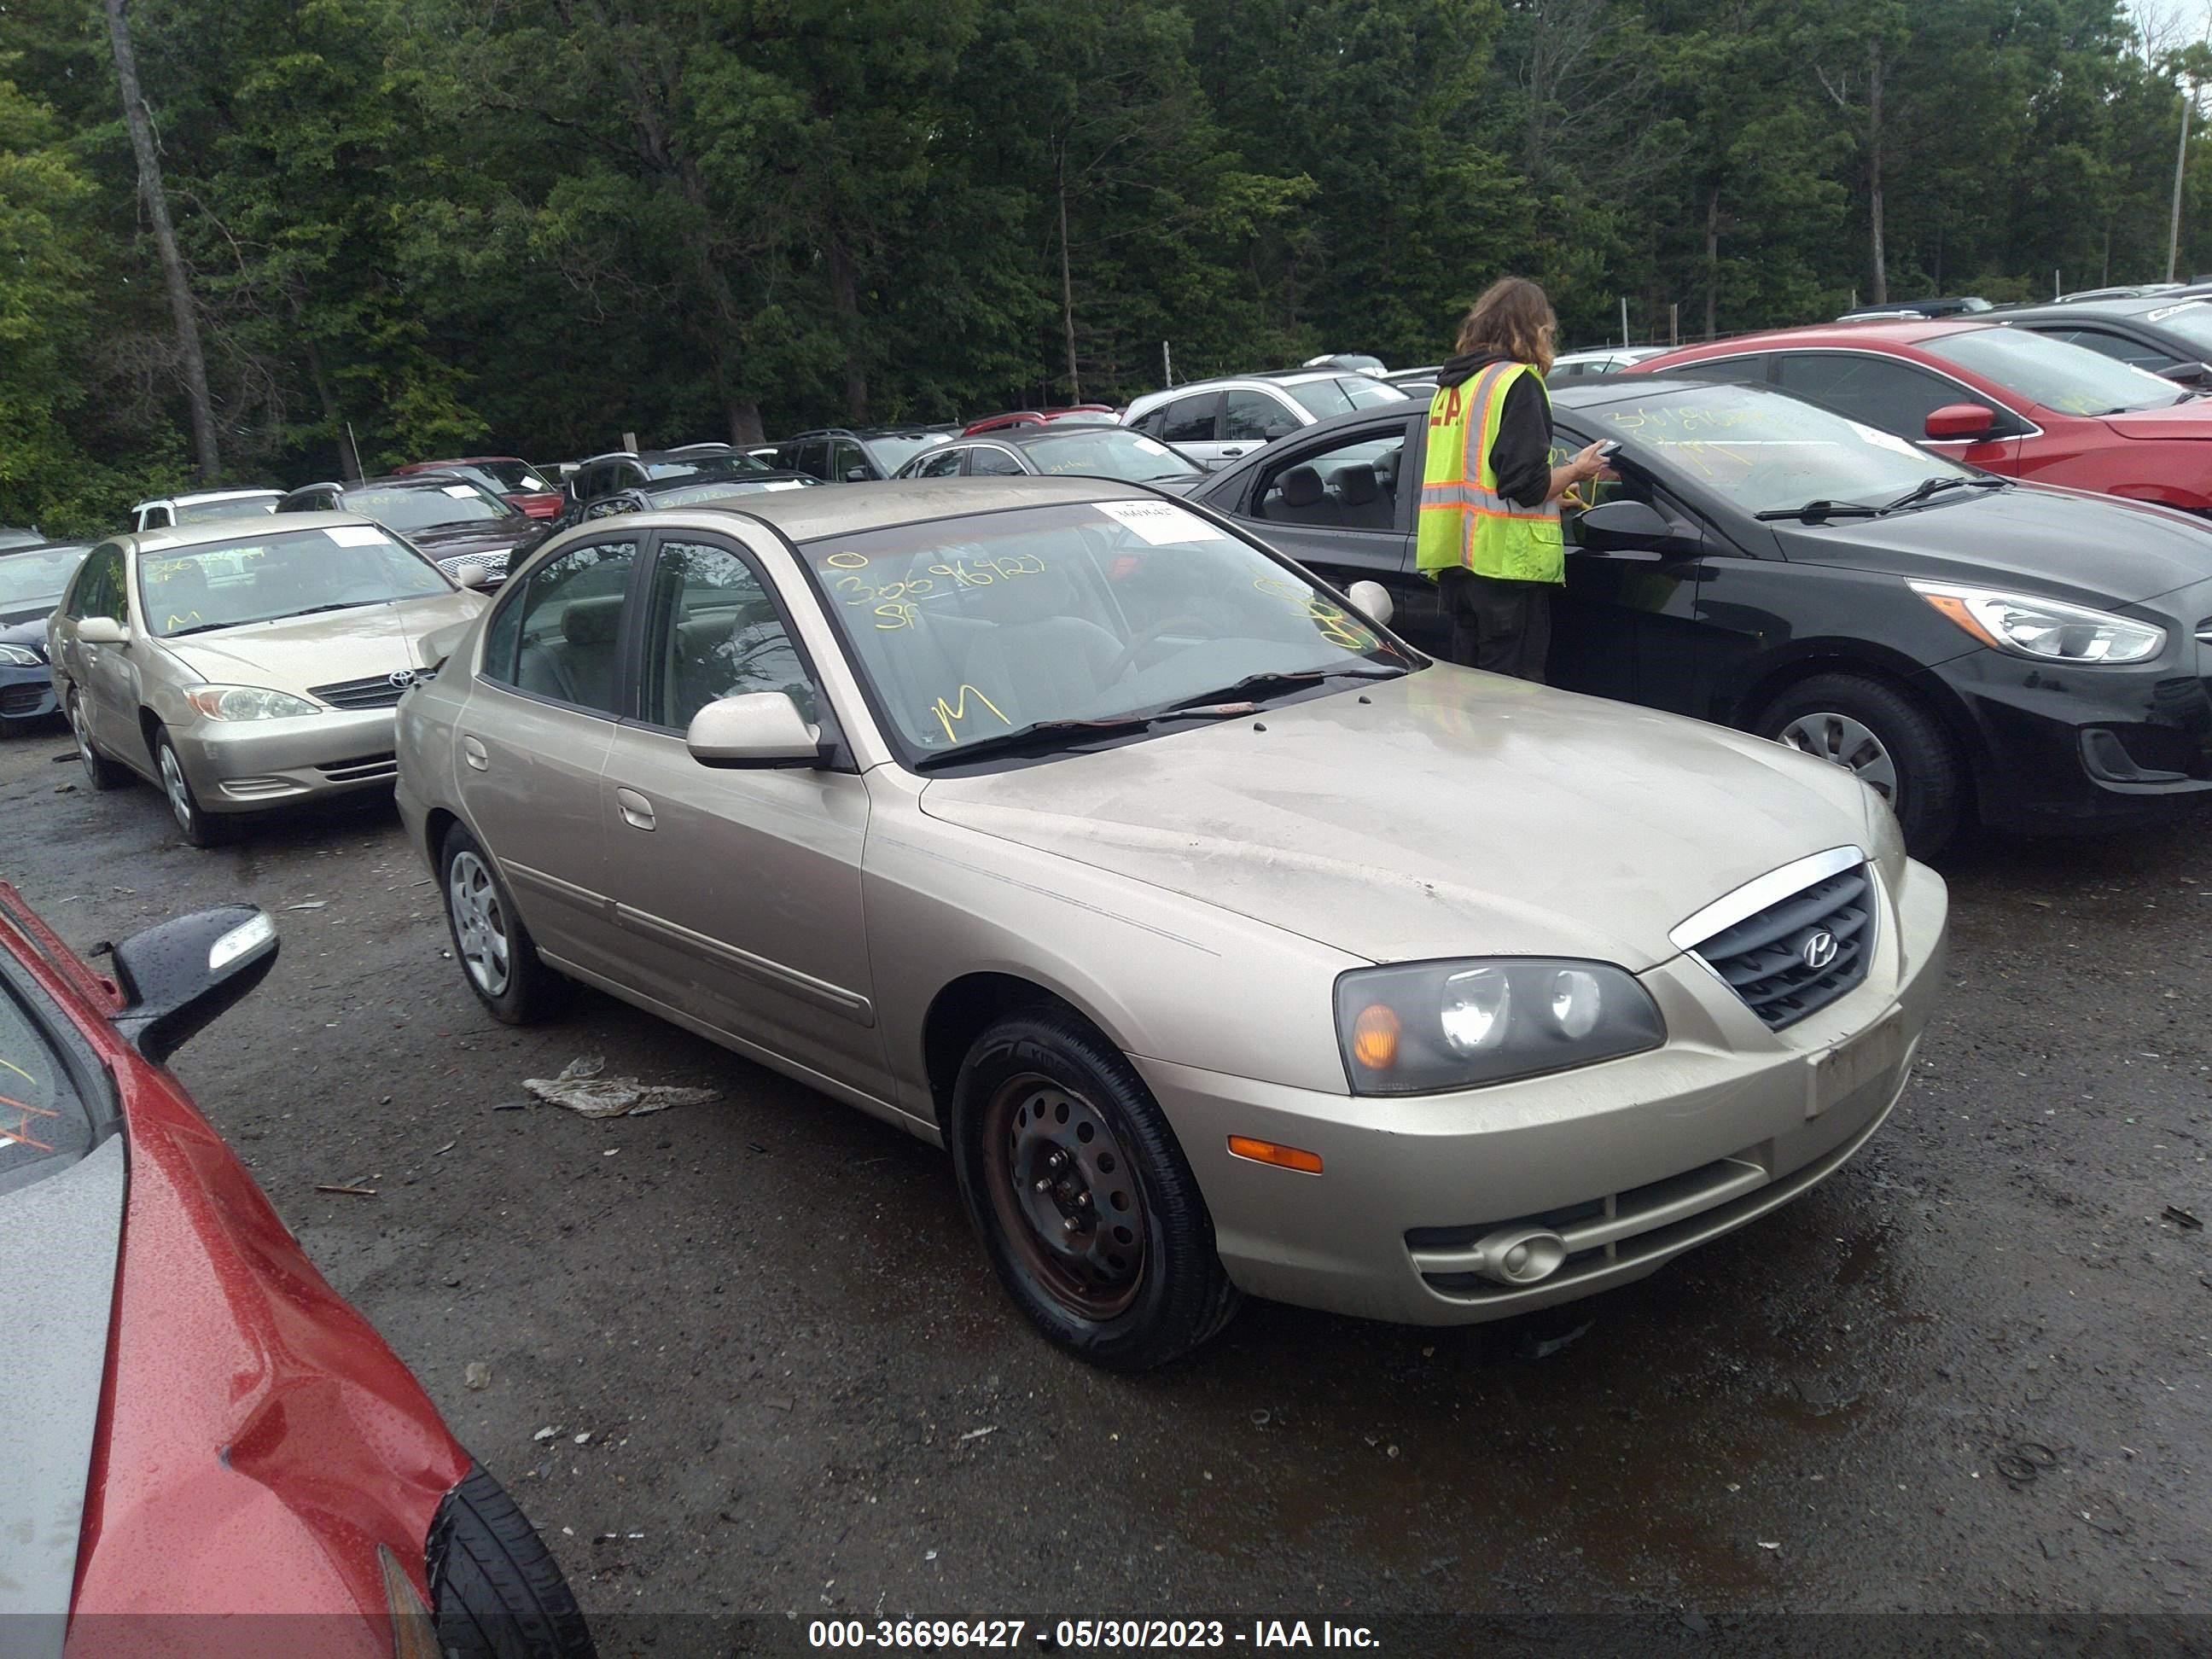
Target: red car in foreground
{"points": [[204, 1427], [2001, 398], [514, 480]]}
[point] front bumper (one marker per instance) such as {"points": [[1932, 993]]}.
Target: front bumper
{"points": [[2059, 749], [243, 766], [27, 691], [1661, 1150]]}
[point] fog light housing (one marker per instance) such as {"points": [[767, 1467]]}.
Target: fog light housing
{"points": [[1521, 1255]]}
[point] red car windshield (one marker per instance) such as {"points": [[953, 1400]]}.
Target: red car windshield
{"points": [[2070, 379], [43, 1126], [508, 477]]}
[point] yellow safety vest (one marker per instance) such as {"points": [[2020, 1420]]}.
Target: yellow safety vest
{"points": [[1464, 520]]}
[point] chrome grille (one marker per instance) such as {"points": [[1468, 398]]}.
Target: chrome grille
{"points": [[375, 693], [1764, 957]]}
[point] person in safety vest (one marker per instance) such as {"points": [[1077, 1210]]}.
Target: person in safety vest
{"points": [[1490, 513]]}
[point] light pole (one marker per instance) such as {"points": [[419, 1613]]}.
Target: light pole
{"points": [[2180, 156]]}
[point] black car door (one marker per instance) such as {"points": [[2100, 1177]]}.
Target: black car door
{"points": [[1343, 506], [1639, 622]]}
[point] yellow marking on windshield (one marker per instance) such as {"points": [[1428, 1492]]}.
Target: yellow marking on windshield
{"points": [[847, 560], [16, 1069], [947, 713]]}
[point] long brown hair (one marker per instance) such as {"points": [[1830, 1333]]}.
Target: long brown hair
{"points": [[1514, 319]]}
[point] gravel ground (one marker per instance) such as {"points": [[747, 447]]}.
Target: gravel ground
{"points": [[1968, 1374]]}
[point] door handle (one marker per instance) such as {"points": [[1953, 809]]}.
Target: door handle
{"points": [[636, 809], [473, 753], [1228, 454]]}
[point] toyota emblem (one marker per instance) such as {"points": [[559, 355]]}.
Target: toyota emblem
{"points": [[1818, 950], [401, 679]]}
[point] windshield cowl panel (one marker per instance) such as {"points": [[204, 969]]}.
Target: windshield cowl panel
{"points": [[1112, 611]]}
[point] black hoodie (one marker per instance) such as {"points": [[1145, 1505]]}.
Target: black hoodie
{"points": [[1523, 452]]}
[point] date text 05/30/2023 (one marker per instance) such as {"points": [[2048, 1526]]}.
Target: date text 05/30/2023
{"points": [[1085, 1635]]}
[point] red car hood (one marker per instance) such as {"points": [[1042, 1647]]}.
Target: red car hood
{"points": [[2190, 420]]}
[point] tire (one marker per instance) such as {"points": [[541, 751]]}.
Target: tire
{"points": [[1888, 737], [1127, 1295], [497, 954], [496, 1590], [101, 773], [192, 820]]}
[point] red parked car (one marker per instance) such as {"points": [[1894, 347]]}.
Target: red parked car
{"points": [[516, 481], [206, 1427], [1098, 414], [2001, 398]]}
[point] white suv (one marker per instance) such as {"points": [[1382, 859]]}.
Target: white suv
{"points": [[1213, 422], [167, 512]]}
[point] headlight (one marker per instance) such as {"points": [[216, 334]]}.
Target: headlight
{"points": [[19, 656], [1427, 1027], [248, 703], [2030, 627]]}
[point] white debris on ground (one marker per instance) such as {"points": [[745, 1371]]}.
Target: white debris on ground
{"points": [[581, 1089]]}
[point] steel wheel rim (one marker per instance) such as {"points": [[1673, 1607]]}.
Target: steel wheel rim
{"points": [[1842, 741], [83, 738], [1066, 1197], [479, 923], [179, 792]]}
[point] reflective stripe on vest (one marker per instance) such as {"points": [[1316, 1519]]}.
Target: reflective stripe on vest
{"points": [[1489, 534]]}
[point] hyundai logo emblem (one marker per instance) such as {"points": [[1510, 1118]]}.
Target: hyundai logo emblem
{"points": [[1818, 950], [401, 679]]}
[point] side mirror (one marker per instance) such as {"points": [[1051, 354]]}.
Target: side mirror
{"points": [[1956, 421], [856, 475], [1635, 526], [1374, 599], [752, 730], [177, 977], [1275, 429], [2197, 377], [102, 630], [472, 575]]}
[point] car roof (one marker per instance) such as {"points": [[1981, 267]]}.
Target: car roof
{"points": [[1051, 432], [231, 530], [807, 514], [10, 551], [1599, 389], [191, 495], [2139, 306], [1876, 330]]}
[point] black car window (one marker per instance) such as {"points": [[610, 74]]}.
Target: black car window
{"points": [[812, 457], [1751, 369], [943, 464], [2106, 344], [989, 461], [1354, 486], [560, 637], [715, 633], [99, 589], [1879, 391], [1190, 420], [1254, 417], [848, 463]]}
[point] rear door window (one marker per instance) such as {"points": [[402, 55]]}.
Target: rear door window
{"points": [[1190, 420], [561, 636], [1354, 486]]}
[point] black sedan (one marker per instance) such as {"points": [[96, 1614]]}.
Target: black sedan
{"points": [[2167, 334], [31, 583], [469, 532], [1076, 449], [1973, 648]]}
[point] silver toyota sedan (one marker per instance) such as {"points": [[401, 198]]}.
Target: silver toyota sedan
{"points": [[1228, 944], [248, 663]]}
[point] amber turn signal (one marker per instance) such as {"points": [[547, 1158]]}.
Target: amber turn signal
{"points": [[1266, 1152], [1374, 1038]]}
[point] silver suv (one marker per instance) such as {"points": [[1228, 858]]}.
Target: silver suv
{"points": [[1214, 421]]}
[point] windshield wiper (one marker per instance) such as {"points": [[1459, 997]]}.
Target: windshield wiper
{"points": [[339, 605], [1814, 512], [1047, 735], [1927, 487], [1253, 687]]}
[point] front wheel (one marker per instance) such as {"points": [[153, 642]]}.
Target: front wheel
{"points": [[1088, 1209], [494, 948], [497, 1592], [1887, 739], [198, 828]]}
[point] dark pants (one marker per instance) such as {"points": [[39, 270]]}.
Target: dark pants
{"points": [[1503, 627]]}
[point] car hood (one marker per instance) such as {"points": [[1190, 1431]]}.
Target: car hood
{"points": [[2190, 420], [300, 651], [2094, 549], [25, 628], [1445, 813]]}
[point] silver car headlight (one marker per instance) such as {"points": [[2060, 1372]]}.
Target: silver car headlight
{"points": [[248, 703], [1428, 1027], [19, 656], [2028, 626]]}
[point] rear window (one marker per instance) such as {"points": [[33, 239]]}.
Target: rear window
{"points": [[1325, 398], [244, 507], [706, 467]]}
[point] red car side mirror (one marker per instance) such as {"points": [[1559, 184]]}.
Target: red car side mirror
{"points": [[1961, 421]]}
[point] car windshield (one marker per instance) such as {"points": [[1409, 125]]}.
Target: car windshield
{"points": [[2056, 373], [1112, 451], [513, 478], [2191, 320], [27, 577], [894, 452], [971, 628], [705, 467], [265, 578], [692, 494], [239, 506], [43, 1126], [426, 506], [1766, 452], [1325, 397]]}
